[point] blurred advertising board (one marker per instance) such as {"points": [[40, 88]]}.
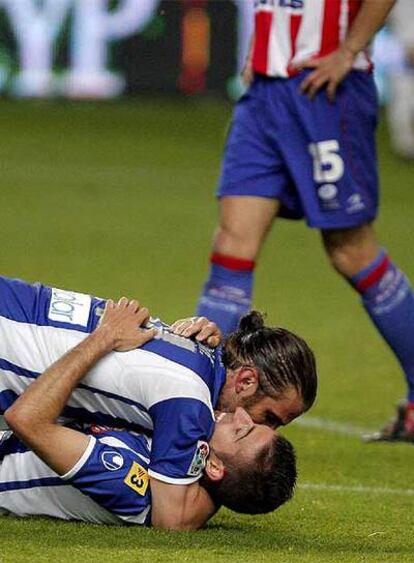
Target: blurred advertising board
{"points": [[106, 48]]}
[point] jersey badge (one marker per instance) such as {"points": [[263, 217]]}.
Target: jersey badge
{"points": [[112, 460], [69, 307], [137, 479], [199, 460]]}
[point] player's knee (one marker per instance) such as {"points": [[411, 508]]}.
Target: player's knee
{"points": [[234, 240], [348, 259], [341, 259], [350, 251]]}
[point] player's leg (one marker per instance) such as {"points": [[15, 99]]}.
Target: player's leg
{"points": [[243, 225], [253, 179], [336, 177], [387, 297]]}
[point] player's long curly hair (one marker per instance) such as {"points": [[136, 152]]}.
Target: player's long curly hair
{"points": [[260, 487], [281, 358]]}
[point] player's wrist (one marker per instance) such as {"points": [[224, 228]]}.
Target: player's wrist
{"points": [[349, 51], [102, 340]]}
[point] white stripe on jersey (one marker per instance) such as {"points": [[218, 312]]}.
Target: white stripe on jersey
{"points": [[172, 481], [308, 41], [139, 375], [343, 20], [280, 49]]}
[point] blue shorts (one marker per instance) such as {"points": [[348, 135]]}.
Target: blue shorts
{"points": [[316, 157]]}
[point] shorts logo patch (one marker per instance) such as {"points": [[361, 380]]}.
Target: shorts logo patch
{"points": [[327, 192], [137, 479], [112, 460], [198, 462], [328, 197], [69, 307], [355, 204]]}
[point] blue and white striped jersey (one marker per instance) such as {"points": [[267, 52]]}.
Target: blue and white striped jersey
{"points": [[108, 485], [168, 388]]}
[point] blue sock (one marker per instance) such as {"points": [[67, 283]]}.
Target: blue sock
{"points": [[227, 294], [388, 298]]}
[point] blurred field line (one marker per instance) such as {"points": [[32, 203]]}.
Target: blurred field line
{"points": [[327, 425], [356, 489]]}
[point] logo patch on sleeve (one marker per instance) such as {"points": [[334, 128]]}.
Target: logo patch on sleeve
{"points": [[69, 307], [112, 460], [137, 479], [199, 460]]}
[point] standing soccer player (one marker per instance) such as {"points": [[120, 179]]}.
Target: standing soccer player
{"points": [[302, 145]]}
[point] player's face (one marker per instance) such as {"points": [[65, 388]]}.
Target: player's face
{"points": [[275, 412], [238, 438]]}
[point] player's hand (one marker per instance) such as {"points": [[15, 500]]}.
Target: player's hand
{"points": [[200, 328], [328, 72], [121, 325]]}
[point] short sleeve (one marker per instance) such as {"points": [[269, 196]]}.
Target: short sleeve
{"points": [[182, 430], [115, 477]]}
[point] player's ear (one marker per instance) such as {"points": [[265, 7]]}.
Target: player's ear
{"points": [[247, 381], [214, 468]]}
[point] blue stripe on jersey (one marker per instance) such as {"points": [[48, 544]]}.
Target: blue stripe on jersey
{"points": [[110, 395], [99, 418], [31, 483], [11, 445], [7, 398], [9, 366], [179, 424]]}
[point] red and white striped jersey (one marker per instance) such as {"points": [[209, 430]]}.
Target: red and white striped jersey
{"points": [[288, 31]]}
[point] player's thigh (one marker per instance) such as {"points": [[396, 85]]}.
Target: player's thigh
{"points": [[243, 224], [330, 152]]}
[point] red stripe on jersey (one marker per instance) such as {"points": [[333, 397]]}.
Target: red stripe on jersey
{"points": [[261, 41], [373, 277], [330, 28], [295, 21]]}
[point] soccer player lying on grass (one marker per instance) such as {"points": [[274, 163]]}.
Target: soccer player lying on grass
{"points": [[169, 387], [247, 466]]}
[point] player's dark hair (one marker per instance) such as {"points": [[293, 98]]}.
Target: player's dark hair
{"points": [[281, 358], [263, 486]]}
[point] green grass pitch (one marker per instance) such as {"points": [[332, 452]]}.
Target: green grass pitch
{"points": [[117, 199]]}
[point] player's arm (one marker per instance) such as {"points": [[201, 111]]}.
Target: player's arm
{"points": [[329, 71], [180, 507], [33, 417], [200, 328], [247, 72]]}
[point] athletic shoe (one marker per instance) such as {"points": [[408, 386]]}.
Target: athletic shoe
{"points": [[399, 429]]}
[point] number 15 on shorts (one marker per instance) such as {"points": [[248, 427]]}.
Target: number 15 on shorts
{"points": [[328, 165]]}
